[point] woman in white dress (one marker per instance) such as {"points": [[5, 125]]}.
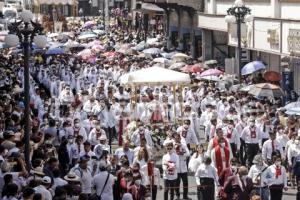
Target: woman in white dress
{"points": [[142, 157], [196, 159]]}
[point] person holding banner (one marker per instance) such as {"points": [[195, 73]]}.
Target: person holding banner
{"points": [[152, 175]]}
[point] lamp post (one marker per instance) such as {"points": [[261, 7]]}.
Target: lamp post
{"points": [[239, 14], [25, 32], [91, 7]]}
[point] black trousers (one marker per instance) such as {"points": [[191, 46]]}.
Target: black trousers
{"points": [[184, 178], [298, 187], [276, 192], [169, 186], [233, 149], [251, 151], [154, 192], [242, 155], [206, 191]]}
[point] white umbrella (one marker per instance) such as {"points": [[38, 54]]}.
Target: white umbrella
{"points": [[293, 111], [177, 65], [161, 60], [247, 88], [180, 56], [292, 105], [71, 44], [155, 76], [99, 32], [153, 51], [87, 36], [210, 78]]}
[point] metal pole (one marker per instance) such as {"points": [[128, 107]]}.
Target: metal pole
{"points": [[103, 13], [239, 43], [27, 99]]}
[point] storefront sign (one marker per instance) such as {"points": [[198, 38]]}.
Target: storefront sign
{"points": [[273, 39], [294, 41]]}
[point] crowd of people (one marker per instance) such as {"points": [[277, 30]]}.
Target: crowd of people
{"points": [[93, 138]]}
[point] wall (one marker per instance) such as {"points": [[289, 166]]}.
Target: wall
{"points": [[212, 22], [290, 10]]}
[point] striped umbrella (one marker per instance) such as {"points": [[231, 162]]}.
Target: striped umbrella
{"points": [[266, 90]]}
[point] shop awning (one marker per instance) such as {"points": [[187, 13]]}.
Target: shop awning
{"points": [[56, 2], [151, 7]]}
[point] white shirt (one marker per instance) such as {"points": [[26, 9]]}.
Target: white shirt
{"points": [[182, 167], [156, 174], [267, 149], [99, 181], [256, 172], [85, 179], [293, 151], [231, 134], [58, 182], [206, 171], [44, 192], [170, 164], [271, 176], [129, 153], [251, 138], [135, 138]]}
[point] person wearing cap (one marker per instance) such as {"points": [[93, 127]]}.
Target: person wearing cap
{"points": [[85, 173], [239, 186], [258, 175], [206, 179], [252, 136], [270, 146], [43, 189], [103, 182], [276, 178], [170, 164]]}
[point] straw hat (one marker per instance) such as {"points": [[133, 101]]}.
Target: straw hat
{"points": [[38, 171], [71, 176], [257, 159]]}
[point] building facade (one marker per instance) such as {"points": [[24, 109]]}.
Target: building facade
{"points": [[273, 36]]}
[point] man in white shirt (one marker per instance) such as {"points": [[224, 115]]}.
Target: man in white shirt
{"points": [[270, 147], [141, 133], [43, 189], [232, 136], [183, 152], [103, 182], [258, 175], [276, 179], [85, 173], [252, 137], [156, 178], [170, 164], [206, 179], [125, 150]]}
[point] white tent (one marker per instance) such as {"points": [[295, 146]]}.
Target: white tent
{"points": [[155, 76]]}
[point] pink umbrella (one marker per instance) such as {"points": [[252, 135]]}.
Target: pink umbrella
{"points": [[85, 54], [97, 48], [93, 43], [211, 72]]}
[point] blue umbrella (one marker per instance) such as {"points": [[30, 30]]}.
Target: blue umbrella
{"points": [[55, 51], [252, 67]]}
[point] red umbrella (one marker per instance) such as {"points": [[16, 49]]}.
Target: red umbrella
{"points": [[272, 76], [192, 68]]}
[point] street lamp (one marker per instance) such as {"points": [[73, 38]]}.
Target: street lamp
{"points": [[239, 14], [25, 32], [91, 7]]}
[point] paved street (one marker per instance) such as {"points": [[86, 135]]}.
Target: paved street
{"points": [[289, 195]]}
